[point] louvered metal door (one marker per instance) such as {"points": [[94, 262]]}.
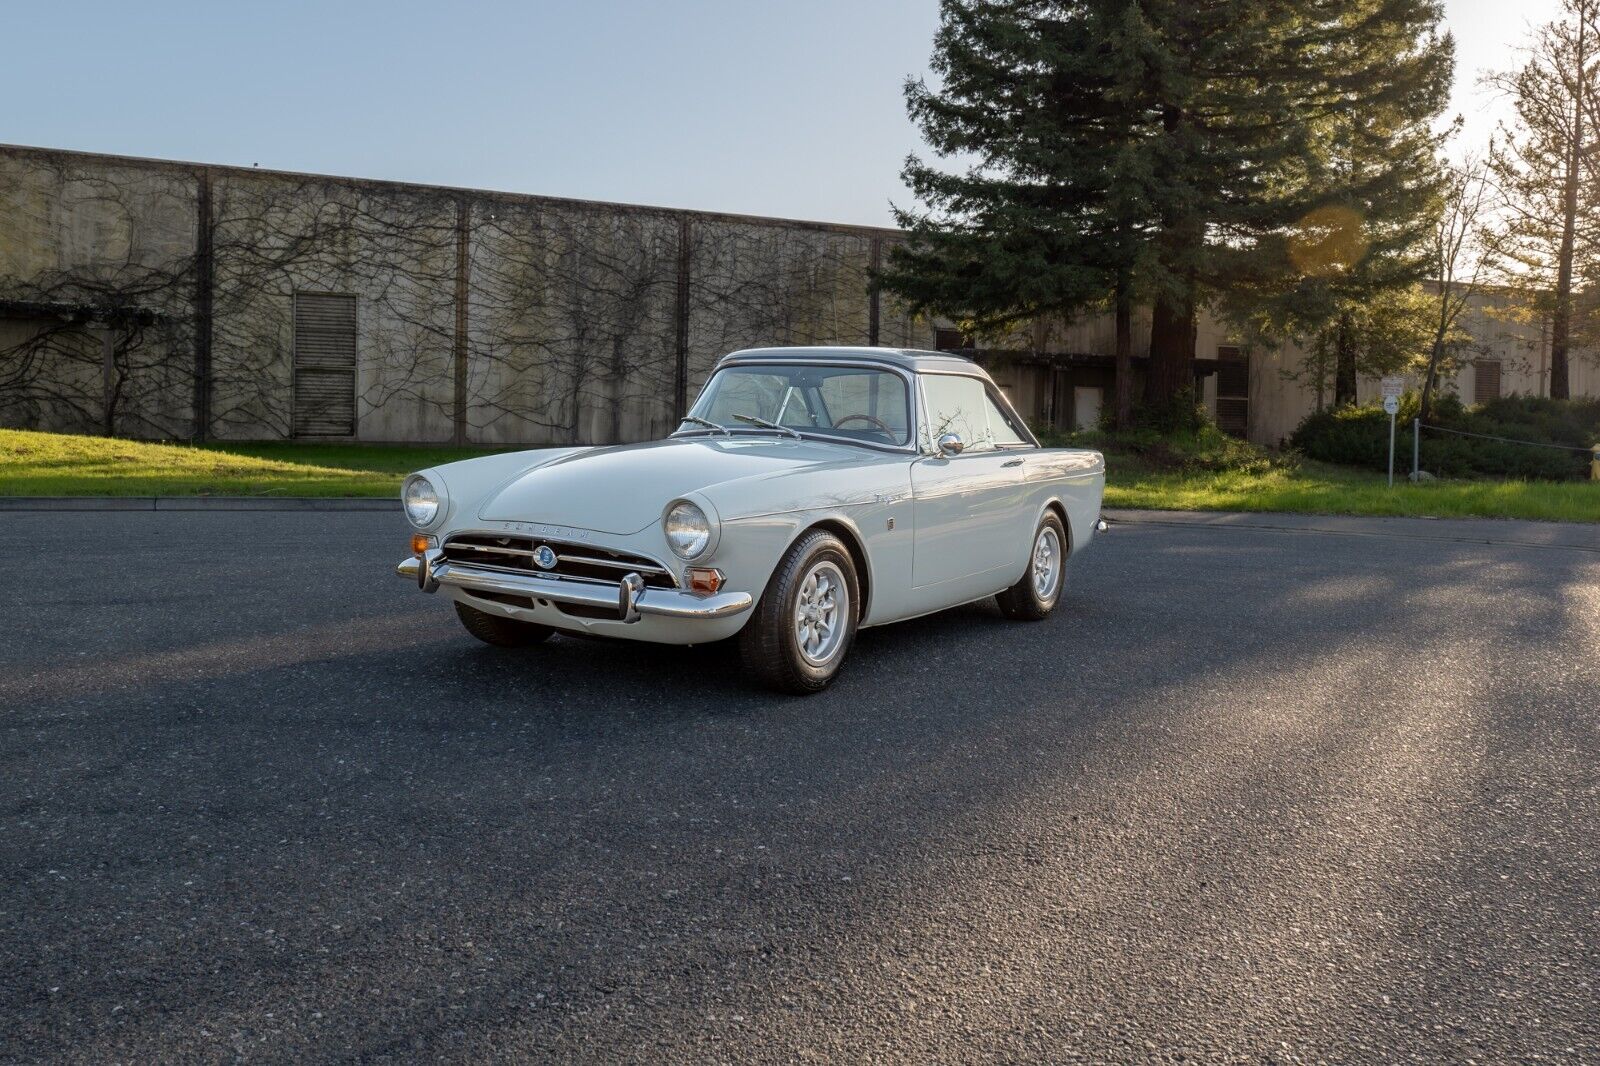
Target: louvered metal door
{"points": [[1233, 391], [324, 365], [1485, 381]]}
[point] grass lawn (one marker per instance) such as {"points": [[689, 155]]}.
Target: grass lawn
{"points": [[55, 464], [1317, 488], [50, 464]]}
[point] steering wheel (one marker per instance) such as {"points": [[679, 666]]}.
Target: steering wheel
{"points": [[873, 419]]}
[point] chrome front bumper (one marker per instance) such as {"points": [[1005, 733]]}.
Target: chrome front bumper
{"points": [[629, 597]]}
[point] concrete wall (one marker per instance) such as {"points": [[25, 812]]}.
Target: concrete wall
{"points": [[504, 319], [572, 323], [391, 248], [109, 235]]}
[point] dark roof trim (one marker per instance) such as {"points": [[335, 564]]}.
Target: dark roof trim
{"points": [[1002, 356]]}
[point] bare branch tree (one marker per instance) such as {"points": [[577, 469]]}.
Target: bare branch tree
{"points": [[1465, 250]]}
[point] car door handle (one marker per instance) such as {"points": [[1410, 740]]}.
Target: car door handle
{"points": [[1012, 462]]}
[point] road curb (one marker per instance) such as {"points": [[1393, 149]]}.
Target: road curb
{"points": [[196, 503]]}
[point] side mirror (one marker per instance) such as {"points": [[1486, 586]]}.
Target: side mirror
{"points": [[950, 444]]}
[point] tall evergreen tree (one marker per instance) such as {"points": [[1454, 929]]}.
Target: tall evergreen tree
{"points": [[1172, 149], [1051, 214], [1299, 134], [1546, 169], [1344, 281]]}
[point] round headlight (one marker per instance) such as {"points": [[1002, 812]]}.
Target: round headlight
{"points": [[421, 500], [688, 530]]}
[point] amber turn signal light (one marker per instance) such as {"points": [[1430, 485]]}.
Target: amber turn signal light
{"points": [[420, 542], [704, 579]]}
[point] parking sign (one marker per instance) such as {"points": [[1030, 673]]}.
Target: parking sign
{"points": [[1392, 388]]}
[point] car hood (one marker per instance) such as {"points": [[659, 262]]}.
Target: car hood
{"points": [[622, 490]]}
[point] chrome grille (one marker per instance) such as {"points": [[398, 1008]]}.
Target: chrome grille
{"points": [[582, 561]]}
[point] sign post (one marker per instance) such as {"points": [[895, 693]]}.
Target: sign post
{"points": [[1392, 388]]}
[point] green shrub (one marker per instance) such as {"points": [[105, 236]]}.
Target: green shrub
{"points": [[1359, 436], [1206, 449], [1182, 415], [1176, 437]]}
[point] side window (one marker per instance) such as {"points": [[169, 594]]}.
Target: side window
{"points": [[958, 405], [1000, 426]]}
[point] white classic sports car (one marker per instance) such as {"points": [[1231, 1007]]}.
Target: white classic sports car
{"points": [[810, 492]]}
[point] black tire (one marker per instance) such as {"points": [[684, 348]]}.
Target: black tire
{"points": [[1026, 601], [769, 644], [499, 631]]}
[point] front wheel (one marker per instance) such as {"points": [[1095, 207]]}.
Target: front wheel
{"points": [[806, 619], [1035, 596]]}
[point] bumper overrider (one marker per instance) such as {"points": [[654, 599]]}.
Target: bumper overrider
{"points": [[630, 597]]}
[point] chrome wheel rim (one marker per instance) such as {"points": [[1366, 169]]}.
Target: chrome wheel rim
{"points": [[1046, 564], [821, 612]]}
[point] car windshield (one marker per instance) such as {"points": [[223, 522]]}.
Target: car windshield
{"points": [[849, 402]]}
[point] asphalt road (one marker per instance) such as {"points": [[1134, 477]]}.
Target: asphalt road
{"points": [[1251, 794]]}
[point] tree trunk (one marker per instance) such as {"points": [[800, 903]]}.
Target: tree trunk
{"points": [[1171, 368], [1171, 349], [1428, 379], [1124, 356], [1344, 368], [1561, 316], [1436, 352]]}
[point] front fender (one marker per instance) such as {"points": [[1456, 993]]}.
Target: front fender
{"points": [[870, 501], [753, 548]]}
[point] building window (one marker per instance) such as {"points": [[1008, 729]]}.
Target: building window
{"points": [[324, 365], [1485, 380], [951, 340]]}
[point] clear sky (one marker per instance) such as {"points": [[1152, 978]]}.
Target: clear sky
{"points": [[791, 109]]}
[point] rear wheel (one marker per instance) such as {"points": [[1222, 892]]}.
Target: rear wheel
{"points": [[1035, 596], [806, 619], [499, 631]]}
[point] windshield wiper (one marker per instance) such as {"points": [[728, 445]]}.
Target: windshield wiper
{"points": [[764, 424], [697, 420]]}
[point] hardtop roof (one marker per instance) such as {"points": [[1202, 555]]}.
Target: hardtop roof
{"points": [[910, 359]]}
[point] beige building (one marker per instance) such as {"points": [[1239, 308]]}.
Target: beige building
{"points": [[157, 299], [1263, 392]]}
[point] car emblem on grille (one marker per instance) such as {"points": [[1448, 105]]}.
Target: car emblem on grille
{"points": [[544, 557]]}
